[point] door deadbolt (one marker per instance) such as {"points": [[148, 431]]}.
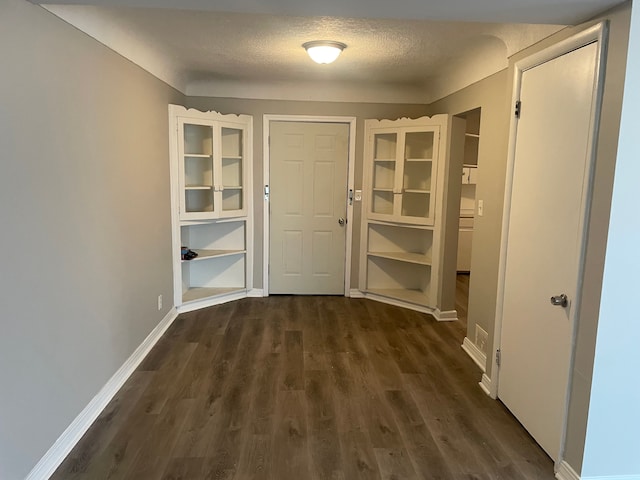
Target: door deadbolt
{"points": [[560, 300]]}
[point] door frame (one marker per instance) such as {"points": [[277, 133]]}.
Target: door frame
{"points": [[596, 33], [266, 132]]}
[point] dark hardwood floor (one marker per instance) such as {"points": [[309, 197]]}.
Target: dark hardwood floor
{"points": [[306, 388]]}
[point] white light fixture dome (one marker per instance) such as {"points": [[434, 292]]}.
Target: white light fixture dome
{"points": [[324, 51]]}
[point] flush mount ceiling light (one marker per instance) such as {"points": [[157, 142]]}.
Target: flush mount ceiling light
{"points": [[324, 51]]}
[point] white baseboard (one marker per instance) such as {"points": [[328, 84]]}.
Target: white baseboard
{"points": [[565, 472], [74, 432], [355, 293], [485, 384], [613, 477], [256, 293], [397, 303], [474, 352], [446, 316], [211, 301]]}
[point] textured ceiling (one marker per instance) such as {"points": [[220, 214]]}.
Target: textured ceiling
{"points": [[398, 51], [234, 54]]}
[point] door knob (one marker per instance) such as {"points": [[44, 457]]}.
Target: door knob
{"points": [[560, 300], [342, 221]]}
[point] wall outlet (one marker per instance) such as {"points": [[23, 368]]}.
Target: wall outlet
{"points": [[159, 302], [480, 208], [481, 339]]}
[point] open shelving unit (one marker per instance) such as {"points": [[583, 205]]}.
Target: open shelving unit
{"points": [[211, 215]]}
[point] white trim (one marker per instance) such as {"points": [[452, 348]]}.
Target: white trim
{"points": [[351, 162], [74, 432], [485, 385], [445, 316], [596, 33], [398, 303], [255, 293], [565, 472], [613, 477], [474, 352], [356, 293], [211, 301]]}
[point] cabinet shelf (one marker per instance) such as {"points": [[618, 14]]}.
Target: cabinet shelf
{"points": [[231, 157], [408, 257], [412, 296], [212, 254], [232, 187], [384, 160], [198, 187], [472, 135], [413, 190], [423, 160], [198, 293], [197, 155]]}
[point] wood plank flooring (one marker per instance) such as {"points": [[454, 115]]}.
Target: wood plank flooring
{"points": [[306, 388]]}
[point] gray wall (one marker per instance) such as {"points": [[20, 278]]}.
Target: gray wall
{"points": [[85, 211], [258, 108], [492, 95], [612, 446]]}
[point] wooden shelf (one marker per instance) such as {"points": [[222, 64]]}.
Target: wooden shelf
{"points": [[423, 160], [231, 157], [209, 254], [197, 155], [198, 293], [232, 187], [473, 135], [375, 189], [412, 296], [408, 257], [198, 187], [384, 160], [413, 190]]}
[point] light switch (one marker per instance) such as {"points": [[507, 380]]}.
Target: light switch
{"points": [[480, 207], [358, 196]]}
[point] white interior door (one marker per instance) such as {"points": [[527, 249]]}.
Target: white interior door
{"points": [[308, 207], [546, 223]]}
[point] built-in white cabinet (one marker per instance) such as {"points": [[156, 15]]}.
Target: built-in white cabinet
{"points": [[402, 166], [212, 172], [211, 187], [402, 223]]}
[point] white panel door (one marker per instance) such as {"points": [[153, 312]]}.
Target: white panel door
{"points": [[545, 240], [308, 207]]}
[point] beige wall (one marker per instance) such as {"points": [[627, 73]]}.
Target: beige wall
{"points": [[86, 235], [492, 95], [258, 108]]}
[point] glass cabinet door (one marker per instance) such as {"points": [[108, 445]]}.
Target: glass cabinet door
{"points": [[197, 175], [232, 171], [403, 174], [418, 176], [383, 181]]}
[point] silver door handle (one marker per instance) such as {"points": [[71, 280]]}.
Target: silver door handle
{"points": [[560, 300], [342, 221]]}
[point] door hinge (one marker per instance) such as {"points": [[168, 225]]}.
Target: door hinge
{"points": [[517, 108], [351, 196], [498, 357], [266, 192]]}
